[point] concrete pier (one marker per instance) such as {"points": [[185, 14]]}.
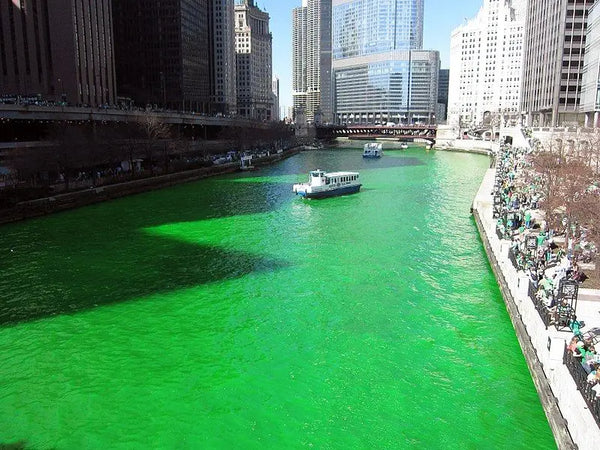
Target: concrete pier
{"points": [[570, 420]]}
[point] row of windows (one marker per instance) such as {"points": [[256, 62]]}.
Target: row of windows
{"points": [[345, 179]]}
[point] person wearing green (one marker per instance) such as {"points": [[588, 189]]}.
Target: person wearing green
{"points": [[528, 219], [541, 238]]}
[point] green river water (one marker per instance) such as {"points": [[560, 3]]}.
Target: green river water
{"points": [[229, 314]]}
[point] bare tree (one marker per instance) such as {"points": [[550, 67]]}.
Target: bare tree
{"points": [[570, 197], [153, 131]]}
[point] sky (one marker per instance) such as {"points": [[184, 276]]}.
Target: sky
{"points": [[441, 17]]}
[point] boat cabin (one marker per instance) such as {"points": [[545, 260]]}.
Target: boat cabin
{"points": [[317, 178], [321, 178]]}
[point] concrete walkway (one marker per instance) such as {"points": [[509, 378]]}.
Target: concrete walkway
{"points": [[572, 423]]}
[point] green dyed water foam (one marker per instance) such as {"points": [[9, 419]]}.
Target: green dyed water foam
{"points": [[229, 314]]}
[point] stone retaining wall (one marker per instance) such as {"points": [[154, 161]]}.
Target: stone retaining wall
{"points": [[49, 205], [570, 420]]}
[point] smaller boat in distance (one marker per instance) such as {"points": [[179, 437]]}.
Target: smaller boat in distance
{"points": [[314, 146], [322, 184], [372, 150], [403, 146]]}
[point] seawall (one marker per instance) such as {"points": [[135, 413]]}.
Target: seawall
{"points": [[571, 422], [76, 199]]}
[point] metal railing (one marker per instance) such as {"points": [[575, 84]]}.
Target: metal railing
{"points": [[499, 233], [580, 377], [513, 258], [545, 314]]}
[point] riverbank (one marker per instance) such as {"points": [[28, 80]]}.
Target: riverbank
{"points": [[571, 421], [76, 199]]}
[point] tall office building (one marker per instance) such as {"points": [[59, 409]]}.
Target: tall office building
{"points": [[223, 71], [486, 57], [253, 46], [553, 62], [443, 83], [275, 90], [590, 84], [162, 52], [62, 50], [381, 73], [311, 57], [299, 57]]}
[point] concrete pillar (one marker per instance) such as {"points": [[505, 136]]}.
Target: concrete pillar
{"points": [[523, 284], [586, 122], [596, 119], [556, 347]]}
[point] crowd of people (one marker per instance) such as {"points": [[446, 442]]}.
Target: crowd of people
{"points": [[547, 250], [537, 248]]}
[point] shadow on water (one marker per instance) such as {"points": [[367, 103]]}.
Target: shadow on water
{"points": [[100, 255], [75, 279], [21, 445]]}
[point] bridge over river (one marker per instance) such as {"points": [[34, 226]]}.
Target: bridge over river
{"points": [[406, 133]]}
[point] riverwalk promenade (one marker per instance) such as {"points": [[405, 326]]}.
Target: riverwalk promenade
{"points": [[572, 423]]}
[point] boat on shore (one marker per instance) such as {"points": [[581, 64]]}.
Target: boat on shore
{"points": [[322, 184], [246, 162], [372, 150]]}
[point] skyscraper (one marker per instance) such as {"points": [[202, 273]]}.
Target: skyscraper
{"points": [[486, 56], [311, 57], [162, 52], [223, 71], [443, 83], [380, 72], [253, 46], [553, 62], [299, 57], [590, 85], [62, 50], [275, 89]]}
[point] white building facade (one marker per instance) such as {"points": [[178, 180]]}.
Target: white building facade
{"points": [[253, 47], [486, 59], [299, 57], [311, 66], [590, 85]]}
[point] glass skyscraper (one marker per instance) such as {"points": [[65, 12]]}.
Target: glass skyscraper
{"points": [[381, 73], [363, 28]]}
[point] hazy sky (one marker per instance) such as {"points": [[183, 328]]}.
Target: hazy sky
{"points": [[441, 17]]}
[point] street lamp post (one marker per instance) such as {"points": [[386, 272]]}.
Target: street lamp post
{"points": [[63, 96]]}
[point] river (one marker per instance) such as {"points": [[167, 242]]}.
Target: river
{"points": [[227, 313]]}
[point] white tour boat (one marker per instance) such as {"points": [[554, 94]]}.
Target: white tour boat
{"points": [[372, 150], [322, 184]]}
